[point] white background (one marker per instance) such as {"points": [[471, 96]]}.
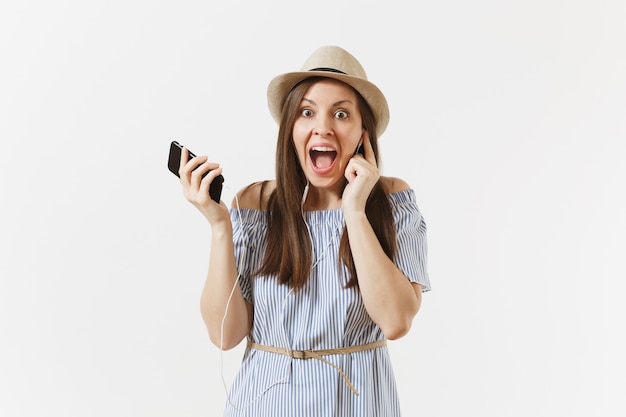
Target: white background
{"points": [[508, 120]]}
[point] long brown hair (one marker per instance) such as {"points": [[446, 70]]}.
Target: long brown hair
{"points": [[288, 253]]}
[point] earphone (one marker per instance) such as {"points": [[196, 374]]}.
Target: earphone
{"points": [[305, 193], [283, 380], [286, 377]]}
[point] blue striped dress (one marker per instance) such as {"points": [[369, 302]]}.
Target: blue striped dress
{"points": [[322, 315]]}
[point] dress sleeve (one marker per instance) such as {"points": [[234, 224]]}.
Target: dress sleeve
{"points": [[248, 226], [412, 253]]}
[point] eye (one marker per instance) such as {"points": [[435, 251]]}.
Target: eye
{"points": [[341, 114], [306, 112]]}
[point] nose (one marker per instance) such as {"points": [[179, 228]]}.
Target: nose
{"points": [[322, 126]]}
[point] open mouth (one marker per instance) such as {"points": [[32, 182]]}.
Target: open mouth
{"points": [[322, 158]]}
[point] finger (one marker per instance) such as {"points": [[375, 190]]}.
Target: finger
{"points": [[187, 171], [369, 150], [205, 169], [187, 165], [199, 166], [184, 158], [206, 182], [350, 171]]}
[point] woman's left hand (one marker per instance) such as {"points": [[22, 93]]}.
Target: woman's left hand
{"points": [[362, 174]]}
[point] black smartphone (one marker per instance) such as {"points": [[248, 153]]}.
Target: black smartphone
{"points": [[173, 163], [359, 149]]}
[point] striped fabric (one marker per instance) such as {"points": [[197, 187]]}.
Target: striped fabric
{"points": [[323, 315]]}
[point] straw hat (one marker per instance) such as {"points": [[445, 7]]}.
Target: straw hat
{"points": [[331, 62]]}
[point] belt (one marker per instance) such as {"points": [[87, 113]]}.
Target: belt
{"points": [[319, 354]]}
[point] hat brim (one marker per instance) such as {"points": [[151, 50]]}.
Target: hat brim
{"points": [[281, 85]]}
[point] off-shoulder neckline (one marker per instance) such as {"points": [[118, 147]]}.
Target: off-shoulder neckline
{"points": [[397, 197]]}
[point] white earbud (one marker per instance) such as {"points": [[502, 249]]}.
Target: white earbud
{"points": [[306, 191]]}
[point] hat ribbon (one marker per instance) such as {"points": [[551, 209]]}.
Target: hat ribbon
{"points": [[328, 70]]}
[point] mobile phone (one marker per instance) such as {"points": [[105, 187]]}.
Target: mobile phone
{"points": [[173, 163], [359, 149]]}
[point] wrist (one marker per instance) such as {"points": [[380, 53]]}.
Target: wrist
{"points": [[222, 229], [354, 217]]}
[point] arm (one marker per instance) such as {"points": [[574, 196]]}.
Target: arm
{"points": [[220, 282], [389, 297], [222, 272]]}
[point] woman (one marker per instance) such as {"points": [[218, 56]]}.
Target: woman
{"points": [[319, 267]]}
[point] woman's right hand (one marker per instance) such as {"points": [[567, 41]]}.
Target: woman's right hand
{"points": [[196, 188]]}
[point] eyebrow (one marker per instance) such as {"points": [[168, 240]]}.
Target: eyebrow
{"points": [[335, 104]]}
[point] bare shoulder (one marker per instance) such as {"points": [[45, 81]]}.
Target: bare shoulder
{"points": [[394, 185], [254, 196]]}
